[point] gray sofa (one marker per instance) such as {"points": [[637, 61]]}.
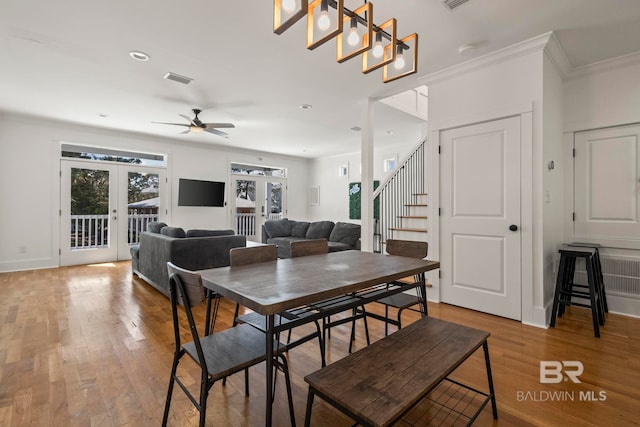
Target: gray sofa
{"points": [[193, 250], [341, 236]]}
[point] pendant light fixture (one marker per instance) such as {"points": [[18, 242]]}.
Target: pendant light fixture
{"points": [[355, 34]]}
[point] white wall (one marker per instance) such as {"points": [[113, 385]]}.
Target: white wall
{"points": [[596, 96], [334, 194], [553, 212], [505, 83], [30, 193]]}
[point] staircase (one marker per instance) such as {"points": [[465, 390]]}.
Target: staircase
{"points": [[403, 201]]}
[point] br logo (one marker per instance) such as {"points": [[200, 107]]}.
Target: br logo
{"points": [[554, 372]]}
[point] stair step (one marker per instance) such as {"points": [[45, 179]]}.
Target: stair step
{"points": [[413, 230], [413, 217]]}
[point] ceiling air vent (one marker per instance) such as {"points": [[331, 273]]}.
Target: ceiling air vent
{"points": [[178, 78], [452, 4]]}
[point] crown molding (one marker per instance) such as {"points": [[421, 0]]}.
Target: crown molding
{"points": [[606, 65], [501, 55], [557, 56]]}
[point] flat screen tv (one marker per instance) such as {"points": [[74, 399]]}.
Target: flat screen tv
{"points": [[193, 192]]}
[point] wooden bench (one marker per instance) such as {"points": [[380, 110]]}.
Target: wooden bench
{"points": [[379, 384]]}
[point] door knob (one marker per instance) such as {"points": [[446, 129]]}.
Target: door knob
{"points": [[513, 227]]}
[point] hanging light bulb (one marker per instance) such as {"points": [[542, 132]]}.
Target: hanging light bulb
{"points": [[378, 49], [289, 5], [399, 63], [354, 38], [324, 22]]}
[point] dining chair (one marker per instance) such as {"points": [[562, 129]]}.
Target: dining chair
{"points": [[402, 301], [321, 246], [219, 354], [264, 253]]}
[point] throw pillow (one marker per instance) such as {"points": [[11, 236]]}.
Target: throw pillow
{"points": [[155, 227], [173, 232], [344, 232], [319, 230]]}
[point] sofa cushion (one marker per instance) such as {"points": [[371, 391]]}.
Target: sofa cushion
{"points": [[208, 233], [344, 232], [278, 228], [173, 232], [155, 227], [319, 230], [299, 228], [337, 247]]}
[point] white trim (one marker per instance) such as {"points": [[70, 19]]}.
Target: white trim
{"points": [[558, 57], [530, 314], [606, 65], [482, 116], [501, 55]]}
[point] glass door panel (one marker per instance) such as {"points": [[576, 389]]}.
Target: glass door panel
{"points": [[244, 207], [89, 212]]}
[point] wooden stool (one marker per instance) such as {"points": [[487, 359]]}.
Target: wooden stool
{"points": [[566, 288]]}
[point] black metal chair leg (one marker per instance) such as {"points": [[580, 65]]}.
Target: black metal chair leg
{"points": [[174, 367], [307, 415]]}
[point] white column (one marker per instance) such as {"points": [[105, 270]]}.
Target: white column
{"points": [[366, 159]]}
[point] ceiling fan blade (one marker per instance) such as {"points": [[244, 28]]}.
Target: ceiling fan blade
{"points": [[216, 132], [187, 118], [174, 124], [219, 125]]}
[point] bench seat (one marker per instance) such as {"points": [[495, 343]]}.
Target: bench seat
{"points": [[377, 385]]}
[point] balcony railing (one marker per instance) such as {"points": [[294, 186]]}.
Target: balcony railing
{"points": [[246, 223], [92, 231]]}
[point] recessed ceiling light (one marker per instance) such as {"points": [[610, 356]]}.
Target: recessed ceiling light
{"points": [[102, 115], [306, 106], [139, 56], [389, 132], [356, 128]]}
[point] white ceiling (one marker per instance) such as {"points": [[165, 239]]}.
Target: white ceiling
{"points": [[68, 60]]}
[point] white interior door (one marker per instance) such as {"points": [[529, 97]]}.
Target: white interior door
{"points": [[607, 186], [104, 208], [256, 199], [480, 217]]}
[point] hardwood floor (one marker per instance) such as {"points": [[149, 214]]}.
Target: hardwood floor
{"points": [[90, 346]]}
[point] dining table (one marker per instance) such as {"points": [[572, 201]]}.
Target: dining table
{"points": [[301, 284]]}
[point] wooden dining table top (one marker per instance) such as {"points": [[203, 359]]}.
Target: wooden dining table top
{"points": [[275, 286]]}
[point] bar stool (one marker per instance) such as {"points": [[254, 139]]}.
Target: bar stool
{"points": [[598, 267], [566, 288]]}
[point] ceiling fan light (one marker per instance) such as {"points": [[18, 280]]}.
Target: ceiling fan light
{"points": [[196, 129]]}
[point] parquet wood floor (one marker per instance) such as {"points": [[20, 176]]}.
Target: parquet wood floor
{"points": [[92, 346]]}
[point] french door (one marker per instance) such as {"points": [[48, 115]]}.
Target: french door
{"points": [[256, 199], [104, 207]]}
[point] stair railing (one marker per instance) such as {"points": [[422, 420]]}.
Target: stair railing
{"points": [[397, 192]]}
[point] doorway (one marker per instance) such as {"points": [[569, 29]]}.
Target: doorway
{"points": [[481, 216], [255, 200], [104, 207]]}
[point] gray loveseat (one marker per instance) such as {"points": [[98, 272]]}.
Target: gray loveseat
{"points": [[342, 236], [193, 250]]}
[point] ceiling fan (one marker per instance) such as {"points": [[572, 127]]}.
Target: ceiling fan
{"points": [[196, 125]]}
